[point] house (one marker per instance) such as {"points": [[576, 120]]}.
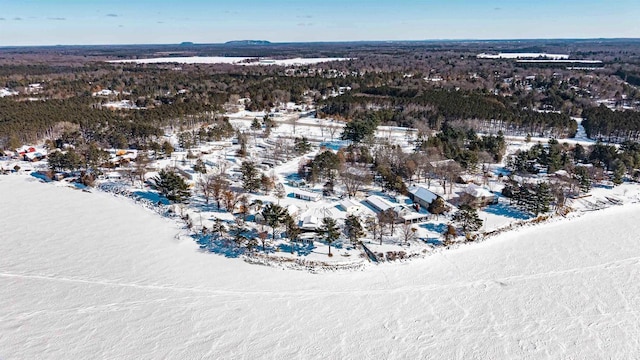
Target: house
{"points": [[25, 149], [408, 216], [113, 176], [404, 213], [33, 156], [297, 183], [306, 195], [293, 210], [422, 196], [351, 207], [380, 204], [312, 218], [7, 92], [310, 223], [477, 196]]}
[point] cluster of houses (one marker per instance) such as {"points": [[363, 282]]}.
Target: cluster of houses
{"points": [[411, 209], [26, 153]]}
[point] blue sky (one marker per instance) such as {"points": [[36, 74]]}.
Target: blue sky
{"points": [[53, 22]]}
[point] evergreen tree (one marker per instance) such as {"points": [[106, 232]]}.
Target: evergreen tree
{"points": [[329, 230], [358, 130], [255, 124], [293, 230], [353, 228], [467, 218], [200, 167], [274, 215], [172, 186], [619, 170], [301, 145], [167, 148], [250, 176], [542, 198], [583, 177]]}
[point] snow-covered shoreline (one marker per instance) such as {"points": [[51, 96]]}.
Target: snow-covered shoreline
{"points": [[93, 276]]}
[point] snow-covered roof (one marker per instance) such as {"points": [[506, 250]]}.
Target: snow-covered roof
{"points": [[312, 218], [381, 204], [422, 193], [307, 194], [412, 215], [439, 163], [33, 155], [292, 209], [349, 204], [7, 92], [105, 92], [122, 104], [478, 191]]}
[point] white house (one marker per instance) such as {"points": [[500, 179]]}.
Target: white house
{"points": [[380, 204], [478, 196], [306, 195], [312, 218], [351, 207]]}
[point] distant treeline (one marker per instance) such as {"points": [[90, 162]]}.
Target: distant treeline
{"points": [[613, 126], [631, 78], [409, 107], [24, 122]]}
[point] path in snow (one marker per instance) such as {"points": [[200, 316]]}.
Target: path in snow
{"points": [[88, 275]]}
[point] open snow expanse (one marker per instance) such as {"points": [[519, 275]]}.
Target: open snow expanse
{"points": [[229, 60], [88, 275]]}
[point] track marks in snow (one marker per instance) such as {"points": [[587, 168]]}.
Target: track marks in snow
{"points": [[488, 284]]}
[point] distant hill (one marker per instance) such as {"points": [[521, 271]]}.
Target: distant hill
{"points": [[248, 42]]}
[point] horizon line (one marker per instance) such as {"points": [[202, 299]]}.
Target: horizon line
{"points": [[190, 43]]}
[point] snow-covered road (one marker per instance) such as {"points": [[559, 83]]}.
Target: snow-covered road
{"points": [[88, 275]]}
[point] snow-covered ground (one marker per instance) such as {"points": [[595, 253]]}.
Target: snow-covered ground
{"points": [[89, 275], [229, 60], [7, 92]]}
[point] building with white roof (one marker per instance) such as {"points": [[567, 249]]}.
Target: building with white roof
{"points": [[478, 196]]}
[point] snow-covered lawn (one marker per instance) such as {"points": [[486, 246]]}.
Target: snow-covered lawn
{"points": [[88, 275]]}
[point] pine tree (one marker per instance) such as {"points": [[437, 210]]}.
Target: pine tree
{"points": [[619, 169], [274, 215], [584, 180], [301, 145], [542, 198], [353, 228], [172, 186], [250, 176], [329, 230], [293, 230], [255, 124], [467, 218]]}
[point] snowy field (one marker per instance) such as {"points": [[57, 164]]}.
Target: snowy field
{"points": [[229, 60], [89, 275]]}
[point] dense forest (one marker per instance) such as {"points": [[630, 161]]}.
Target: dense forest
{"points": [[424, 85], [410, 108]]}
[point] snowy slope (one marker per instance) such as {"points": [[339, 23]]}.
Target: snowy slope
{"points": [[88, 275]]}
